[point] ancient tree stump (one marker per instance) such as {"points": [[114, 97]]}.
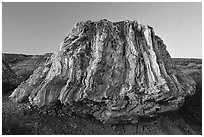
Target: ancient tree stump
{"points": [[118, 70]]}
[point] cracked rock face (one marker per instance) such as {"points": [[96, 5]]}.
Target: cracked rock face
{"points": [[118, 70]]}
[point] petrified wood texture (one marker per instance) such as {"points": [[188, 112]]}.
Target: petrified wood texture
{"points": [[119, 70]]}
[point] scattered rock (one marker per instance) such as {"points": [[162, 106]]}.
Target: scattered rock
{"points": [[73, 125]]}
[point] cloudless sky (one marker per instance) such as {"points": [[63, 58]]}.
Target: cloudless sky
{"points": [[38, 28]]}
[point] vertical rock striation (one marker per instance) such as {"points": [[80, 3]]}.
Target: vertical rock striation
{"points": [[118, 70]]}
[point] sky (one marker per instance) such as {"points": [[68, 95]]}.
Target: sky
{"points": [[39, 28]]}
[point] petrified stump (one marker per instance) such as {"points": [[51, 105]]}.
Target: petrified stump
{"points": [[118, 70]]}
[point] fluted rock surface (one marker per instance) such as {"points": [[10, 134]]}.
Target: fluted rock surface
{"points": [[118, 71]]}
